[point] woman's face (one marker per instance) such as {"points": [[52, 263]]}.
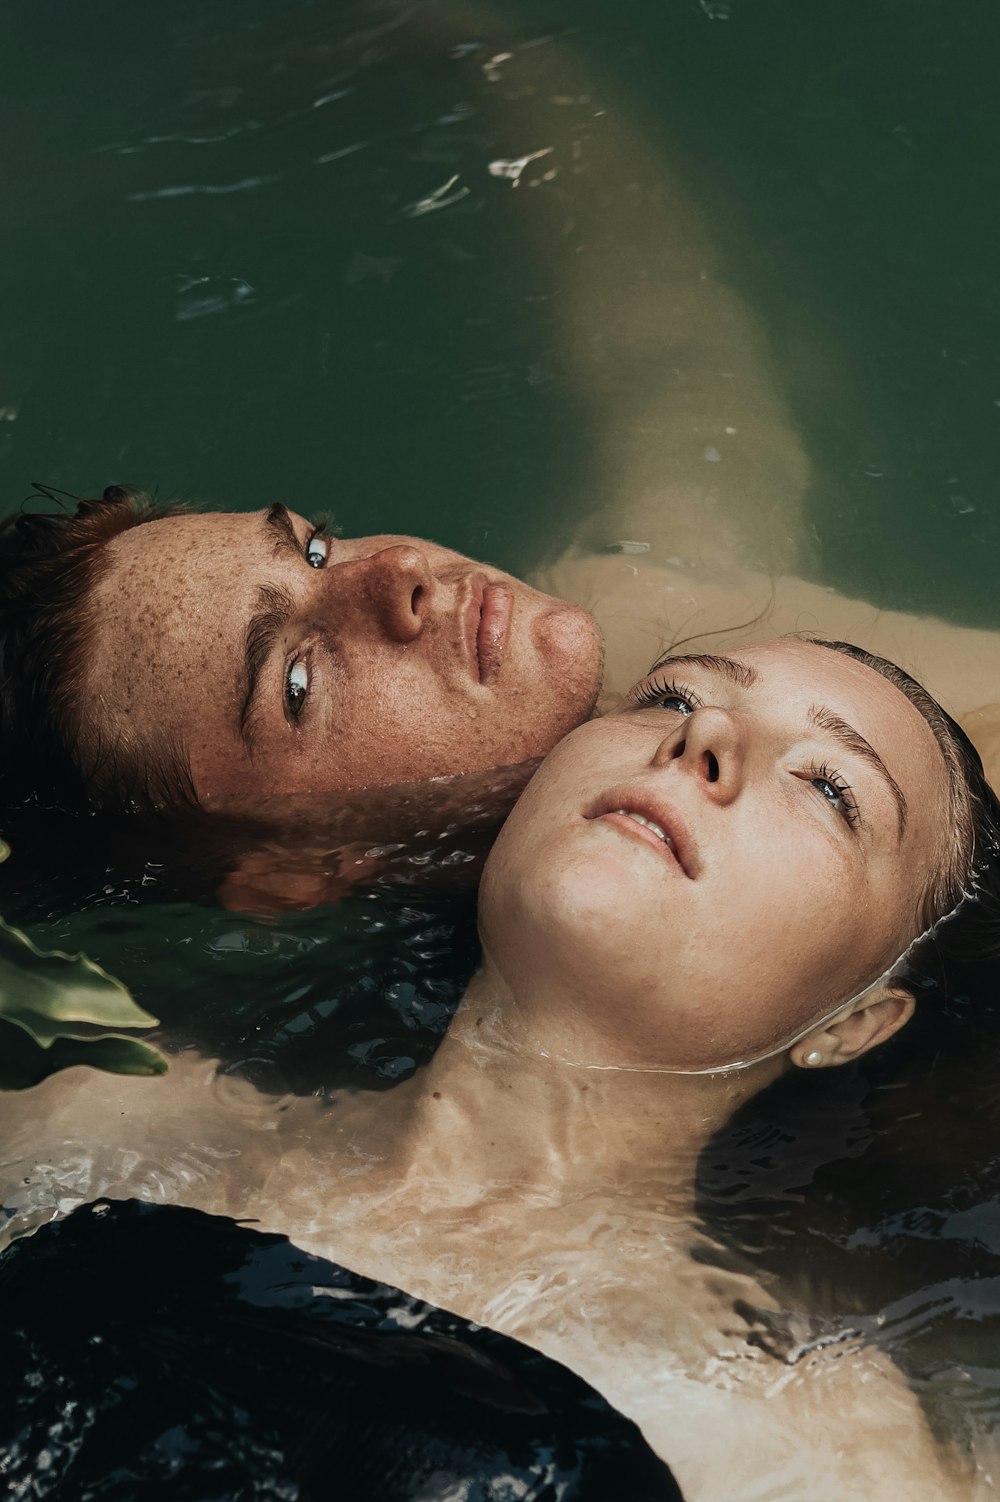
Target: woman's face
{"points": [[693, 880]]}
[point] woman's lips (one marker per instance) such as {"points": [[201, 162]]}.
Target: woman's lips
{"points": [[644, 817], [496, 611], [628, 825]]}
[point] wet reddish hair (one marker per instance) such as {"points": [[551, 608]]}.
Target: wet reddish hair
{"points": [[50, 562]]}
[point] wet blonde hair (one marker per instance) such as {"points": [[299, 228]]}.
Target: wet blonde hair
{"points": [[973, 811]]}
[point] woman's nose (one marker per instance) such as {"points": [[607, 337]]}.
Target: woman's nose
{"points": [[708, 745], [391, 589]]}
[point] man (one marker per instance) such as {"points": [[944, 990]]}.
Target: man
{"points": [[235, 660], [302, 689], [155, 657]]}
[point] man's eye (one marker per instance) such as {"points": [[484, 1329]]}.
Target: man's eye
{"points": [[296, 688], [317, 549]]}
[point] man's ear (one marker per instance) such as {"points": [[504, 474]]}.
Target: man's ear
{"points": [[870, 1021]]}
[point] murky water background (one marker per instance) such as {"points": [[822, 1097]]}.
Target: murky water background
{"points": [[217, 285], [255, 250]]}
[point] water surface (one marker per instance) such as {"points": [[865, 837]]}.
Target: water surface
{"points": [[256, 251]]}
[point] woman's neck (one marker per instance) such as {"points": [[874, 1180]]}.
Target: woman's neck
{"points": [[495, 1108]]}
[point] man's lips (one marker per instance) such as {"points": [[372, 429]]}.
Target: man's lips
{"points": [[643, 815], [488, 616]]}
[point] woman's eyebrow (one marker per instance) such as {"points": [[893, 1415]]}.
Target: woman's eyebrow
{"points": [[853, 741], [737, 672]]}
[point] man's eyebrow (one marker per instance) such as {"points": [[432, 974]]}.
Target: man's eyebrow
{"points": [[737, 672], [279, 526], [274, 607], [853, 741]]}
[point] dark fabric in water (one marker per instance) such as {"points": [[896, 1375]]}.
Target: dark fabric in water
{"points": [[153, 1351]]}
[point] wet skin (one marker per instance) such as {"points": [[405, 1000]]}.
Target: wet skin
{"points": [[792, 879], [278, 661]]}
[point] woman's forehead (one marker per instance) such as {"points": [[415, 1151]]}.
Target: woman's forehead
{"points": [[826, 681]]}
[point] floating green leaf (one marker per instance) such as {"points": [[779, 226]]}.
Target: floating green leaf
{"points": [[62, 1009], [23, 1063]]}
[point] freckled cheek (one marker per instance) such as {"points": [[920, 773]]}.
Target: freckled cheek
{"points": [[812, 866], [816, 909]]}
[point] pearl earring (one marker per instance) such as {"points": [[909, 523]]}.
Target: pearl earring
{"points": [[813, 1058]]}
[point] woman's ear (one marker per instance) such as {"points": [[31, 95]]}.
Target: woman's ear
{"points": [[870, 1021]]}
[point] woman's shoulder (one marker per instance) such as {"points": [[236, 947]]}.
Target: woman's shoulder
{"points": [[839, 1423]]}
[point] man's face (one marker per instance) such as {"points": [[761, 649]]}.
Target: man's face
{"points": [[279, 660]]}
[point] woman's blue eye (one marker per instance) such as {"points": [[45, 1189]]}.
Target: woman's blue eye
{"points": [[836, 792], [296, 687], [657, 693], [317, 549], [676, 702]]}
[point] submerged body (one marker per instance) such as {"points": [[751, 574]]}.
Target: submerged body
{"points": [[548, 1201], [645, 606], [530, 1235]]}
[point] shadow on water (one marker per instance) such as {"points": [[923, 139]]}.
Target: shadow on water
{"points": [[304, 1001]]}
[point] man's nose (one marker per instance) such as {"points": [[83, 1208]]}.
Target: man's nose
{"points": [[709, 745], [393, 587]]}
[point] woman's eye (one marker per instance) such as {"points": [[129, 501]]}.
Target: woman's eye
{"points": [[832, 787], [656, 693], [296, 688], [317, 550], [677, 702]]}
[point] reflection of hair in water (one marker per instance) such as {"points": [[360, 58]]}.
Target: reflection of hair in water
{"points": [[358, 995], [157, 1351]]}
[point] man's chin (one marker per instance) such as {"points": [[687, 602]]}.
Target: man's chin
{"points": [[571, 646]]}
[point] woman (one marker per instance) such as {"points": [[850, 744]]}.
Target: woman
{"points": [[720, 883]]}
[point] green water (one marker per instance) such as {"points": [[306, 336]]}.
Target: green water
{"points": [[196, 301], [215, 285]]}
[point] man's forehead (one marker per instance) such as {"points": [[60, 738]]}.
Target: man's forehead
{"points": [[171, 536], [170, 608], [177, 563]]}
